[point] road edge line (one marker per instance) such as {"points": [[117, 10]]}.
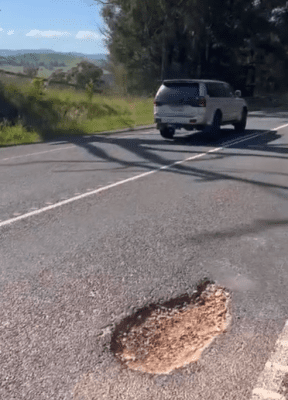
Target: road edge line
{"points": [[270, 380]]}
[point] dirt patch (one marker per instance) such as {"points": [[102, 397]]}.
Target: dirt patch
{"points": [[164, 338]]}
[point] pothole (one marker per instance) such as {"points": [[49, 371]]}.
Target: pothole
{"points": [[163, 337]]}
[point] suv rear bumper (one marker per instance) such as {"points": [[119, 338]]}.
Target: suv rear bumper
{"points": [[186, 122], [178, 125]]}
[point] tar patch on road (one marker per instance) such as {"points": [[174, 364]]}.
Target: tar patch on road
{"points": [[163, 337]]}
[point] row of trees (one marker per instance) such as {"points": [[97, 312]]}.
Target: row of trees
{"points": [[244, 42]]}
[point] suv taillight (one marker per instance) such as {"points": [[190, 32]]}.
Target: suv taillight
{"points": [[202, 102]]}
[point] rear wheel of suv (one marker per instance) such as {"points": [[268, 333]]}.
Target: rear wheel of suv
{"points": [[240, 126], [214, 129], [167, 133]]}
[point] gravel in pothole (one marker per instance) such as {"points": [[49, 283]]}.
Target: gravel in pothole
{"points": [[160, 339]]}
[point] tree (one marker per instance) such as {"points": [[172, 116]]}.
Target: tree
{"points": [[191, 38], [128, 47], [89, 89], [156, 40], [85, 73], [30, 71], [37, 88], [57, 76]]}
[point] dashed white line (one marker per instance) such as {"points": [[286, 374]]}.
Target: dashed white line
{"points": [[133, 178]]}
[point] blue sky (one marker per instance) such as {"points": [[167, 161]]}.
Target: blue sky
{"points": [[59, 25]]}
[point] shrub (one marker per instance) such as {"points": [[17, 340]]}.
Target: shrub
{"points": [[89, 90], [37, 87], [30, 71]]}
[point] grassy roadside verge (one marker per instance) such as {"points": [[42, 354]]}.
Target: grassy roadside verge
{"points": [[56, 113]]}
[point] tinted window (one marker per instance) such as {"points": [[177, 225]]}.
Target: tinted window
{"points": [[212, 89], [180, 92], [215, 89], [229, 91]]}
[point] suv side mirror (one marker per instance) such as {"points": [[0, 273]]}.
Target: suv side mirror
{"points": [[238, 93]]}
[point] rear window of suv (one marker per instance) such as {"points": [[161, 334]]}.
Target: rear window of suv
{"points": [[177, 92]]}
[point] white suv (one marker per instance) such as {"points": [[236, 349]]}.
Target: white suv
{"points": [[198, 104]]}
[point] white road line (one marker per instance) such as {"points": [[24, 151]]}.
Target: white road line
{"points": [[277, 366], [81, 196], [129, 136], [282, 126], [133, 178], [71, 146], [35, 154], [269, 381], [267, 394], [61, 148]]}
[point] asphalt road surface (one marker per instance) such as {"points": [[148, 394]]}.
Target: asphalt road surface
{"points": [[70, 271]]}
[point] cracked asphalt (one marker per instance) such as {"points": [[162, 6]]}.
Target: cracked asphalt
{"points": [[70, 274]]}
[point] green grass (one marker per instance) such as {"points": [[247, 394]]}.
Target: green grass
{"points": [[16, 135], [67, 112], [19, 81], [12, 68]]}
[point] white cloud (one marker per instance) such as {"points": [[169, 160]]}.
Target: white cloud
{"points": [[1, 29], [88, 35], [48, 34], [10, 33]]}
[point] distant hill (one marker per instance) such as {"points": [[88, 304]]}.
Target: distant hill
{"points": [[48, 57], [7, 53]]}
